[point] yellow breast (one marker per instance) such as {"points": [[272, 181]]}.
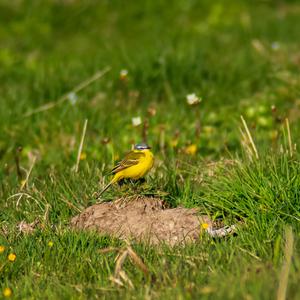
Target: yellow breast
{"points": [[142, 168]]}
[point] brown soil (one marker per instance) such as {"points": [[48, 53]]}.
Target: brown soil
{"points": [[143, 218]]}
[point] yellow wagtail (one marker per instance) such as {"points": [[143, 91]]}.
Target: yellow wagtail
{"points": [[135, 165]]}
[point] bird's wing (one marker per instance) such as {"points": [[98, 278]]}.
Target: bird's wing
{"points": [[132, 158]]}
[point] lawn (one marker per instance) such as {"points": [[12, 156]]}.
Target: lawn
{"points": [[127, 71]]}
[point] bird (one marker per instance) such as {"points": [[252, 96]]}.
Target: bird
{"points": [[135, 165]]}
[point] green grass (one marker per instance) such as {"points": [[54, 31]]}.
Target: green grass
{"points": [[240, 57]]}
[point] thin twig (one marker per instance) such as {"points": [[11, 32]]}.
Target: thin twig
{"points": [[289, 136], [250, 137], [65, 97], [81, 145], [284, 274]]}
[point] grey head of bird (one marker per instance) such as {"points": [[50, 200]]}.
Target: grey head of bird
{"points": [[141, 146]]}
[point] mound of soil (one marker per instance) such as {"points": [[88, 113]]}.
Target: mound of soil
{"points": [[143, 218]]}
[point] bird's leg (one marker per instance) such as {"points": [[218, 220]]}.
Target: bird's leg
{"points": [[141, 180], [121, 182]]}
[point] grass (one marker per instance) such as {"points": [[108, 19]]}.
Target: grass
{"points": [[241, 58]]}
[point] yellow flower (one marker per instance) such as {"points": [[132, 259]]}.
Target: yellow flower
{"points": [[2, 249], [12, 257], [7, 292], [50, 244], [82, 156], [204, 225], [191, 149]]}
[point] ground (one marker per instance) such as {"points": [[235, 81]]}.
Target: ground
{"points": [[117, 64]]}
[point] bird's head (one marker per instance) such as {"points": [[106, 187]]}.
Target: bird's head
{"points": [[141, 146]]}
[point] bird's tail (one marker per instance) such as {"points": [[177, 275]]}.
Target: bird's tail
{"points": [[104, 189], [115, 179]]}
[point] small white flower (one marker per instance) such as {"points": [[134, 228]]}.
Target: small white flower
{"points": [[72, 98], [136, 121], [275, 46], [193, 99], [123, 73]]}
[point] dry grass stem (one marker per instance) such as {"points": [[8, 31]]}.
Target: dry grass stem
{"points": [[284, 274], [119, 262], [70, 204], [126, 279], [81, 145], [250, 253], [289, 136], [120, 276], [245, 144], [65, 97], [202, 257], [46, 214], [20, 195], [24, 183], [250, 137], [116, 281], [108, 249], [137, 260]]}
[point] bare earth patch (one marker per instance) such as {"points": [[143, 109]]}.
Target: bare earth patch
{"points": [[147, 219]]}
